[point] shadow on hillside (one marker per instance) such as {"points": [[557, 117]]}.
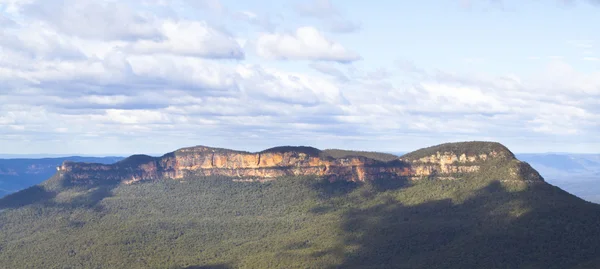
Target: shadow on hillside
{"points": [[387, 184], [91, 198], [87, 195], [32, 195], [216, 266], [554, 230], [327, 189]]}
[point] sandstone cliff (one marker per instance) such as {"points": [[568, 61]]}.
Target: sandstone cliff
{"points": [[446, 161]]}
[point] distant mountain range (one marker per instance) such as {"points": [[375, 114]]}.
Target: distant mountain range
{"points": [[564, 164], [578, 174], [20, 173]]}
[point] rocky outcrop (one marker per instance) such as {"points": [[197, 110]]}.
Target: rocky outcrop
{"points": [[449, 163], [278, 162]]}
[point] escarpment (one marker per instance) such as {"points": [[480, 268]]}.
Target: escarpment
{"points": [[446, 161]]}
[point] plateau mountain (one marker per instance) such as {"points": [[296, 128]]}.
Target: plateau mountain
{"points": [[454, 205]]}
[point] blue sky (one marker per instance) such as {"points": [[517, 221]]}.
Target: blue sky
{"points": [[150, 76]]}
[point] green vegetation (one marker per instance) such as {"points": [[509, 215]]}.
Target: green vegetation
{"points": [[191, 150], [310, 151], [468, 148], [135, 160], [340, 153], [300, 222]]}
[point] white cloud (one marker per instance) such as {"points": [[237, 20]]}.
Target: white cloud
{"points": [[191, 38], [102, 20], [288, 87], [189, 72], [14, 6], [163, 83], [329, 69], [37, 42], [560, 77], [121, 116], [465, 97], [247, 14], [307, 43], [110, 27]]}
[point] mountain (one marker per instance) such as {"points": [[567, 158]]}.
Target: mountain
{"points": [[577, 173], [564, 164], [20, 173], [456, 205], [294, 161]]}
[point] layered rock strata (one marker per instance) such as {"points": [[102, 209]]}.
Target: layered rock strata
{"points": [[285, 161]]}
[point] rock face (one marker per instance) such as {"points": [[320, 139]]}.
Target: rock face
{"points": [[449, 163], [435, 162]]}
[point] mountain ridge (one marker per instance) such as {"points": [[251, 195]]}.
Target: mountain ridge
{"points": [[499, 215], [444, 161], [20, 173]]}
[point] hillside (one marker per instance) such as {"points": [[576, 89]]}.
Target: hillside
{"points": [[446, 211], [340, 153], [19, 173]]}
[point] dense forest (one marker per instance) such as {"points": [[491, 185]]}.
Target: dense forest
{"points": [[299, 222], [468, 148], [340, 153]]}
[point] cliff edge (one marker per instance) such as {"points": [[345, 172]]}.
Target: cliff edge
{"points": [[445, 161]]}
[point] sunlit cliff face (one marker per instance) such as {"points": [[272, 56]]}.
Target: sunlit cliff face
{"points": [[270, 164]]}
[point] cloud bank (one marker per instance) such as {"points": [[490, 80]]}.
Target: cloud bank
{"points": [[74, 82]]}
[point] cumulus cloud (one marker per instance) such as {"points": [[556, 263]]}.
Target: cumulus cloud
{"points": [[191, 38], [101, 20], [478, 106], [244, 99], [67, 31], [329, 69], [288, 87], [78, 90], [307, 43], [245, 102], [167, 82]]}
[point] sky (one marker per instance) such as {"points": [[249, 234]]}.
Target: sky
{"points": [[105, 77]]}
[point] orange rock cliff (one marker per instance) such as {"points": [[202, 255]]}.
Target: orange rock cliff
{"points": [[444, 161]]}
